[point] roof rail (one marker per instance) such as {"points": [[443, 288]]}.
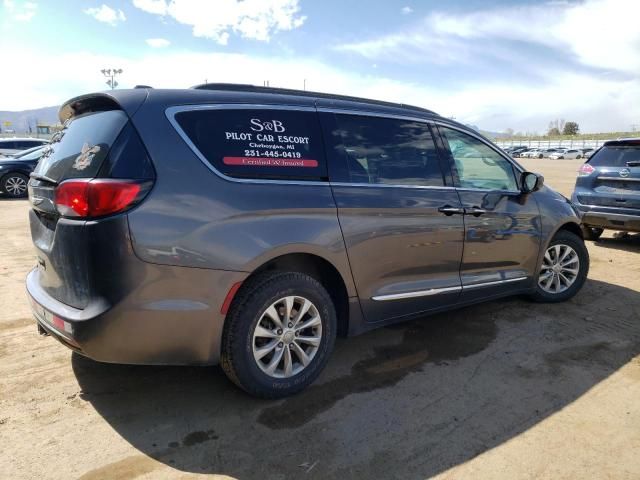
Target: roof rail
{"points": [[238, 87]]}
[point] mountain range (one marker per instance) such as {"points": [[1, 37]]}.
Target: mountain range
{"points": [[25, 121]]}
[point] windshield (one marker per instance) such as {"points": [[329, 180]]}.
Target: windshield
{"points": [[30, 154]]}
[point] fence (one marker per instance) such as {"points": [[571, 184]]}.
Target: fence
{"points": [[44, 136], [577, 143]]}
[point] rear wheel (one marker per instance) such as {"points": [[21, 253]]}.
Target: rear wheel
{"points": [[592, 233], [564, 268], [279, 334], [578, 157], [15, 185]]}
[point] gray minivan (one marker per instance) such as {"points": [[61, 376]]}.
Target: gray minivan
{"points": [[250, 226]]}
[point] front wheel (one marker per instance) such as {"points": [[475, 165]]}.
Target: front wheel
{"points": [[564, 268], [278, 334], [578, 157]]}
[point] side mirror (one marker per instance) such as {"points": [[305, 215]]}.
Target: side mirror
{"points": [[531, 182]]}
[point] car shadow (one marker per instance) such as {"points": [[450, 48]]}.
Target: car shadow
{"points": [[5, 198], [408, 401], [627, 242]]}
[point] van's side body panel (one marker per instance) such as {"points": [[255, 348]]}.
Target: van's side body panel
{"points": [[152, 281]]}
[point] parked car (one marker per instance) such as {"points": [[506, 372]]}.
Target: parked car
{"points": [[586, 152], [249, 226], [514, 148], [607, 190], [519, 151], [569, 153], [533, 153], [17, 145], [546, 152], [15, 171]]}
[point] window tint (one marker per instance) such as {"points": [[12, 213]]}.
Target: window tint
{"points": [[28, 143], [258, 143], [388, 151], [615, 156], [478, 165], [8, 145], [80, 148]]}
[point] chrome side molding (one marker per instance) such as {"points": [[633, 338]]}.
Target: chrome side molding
{"points": [[437, 291]]}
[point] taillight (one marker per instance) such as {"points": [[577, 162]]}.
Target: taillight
{"points": [[586, 170], [88, 198]]}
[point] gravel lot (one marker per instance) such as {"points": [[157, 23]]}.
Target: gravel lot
{"points": [[507, 389]]}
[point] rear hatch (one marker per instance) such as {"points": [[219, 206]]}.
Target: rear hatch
{"points": [[94, 168], [611, 177]]}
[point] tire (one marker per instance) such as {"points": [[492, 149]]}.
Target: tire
{"points": [[15, 185], [540, 156], [592, 233], [578, 157], [243, 341], [562, 239]]}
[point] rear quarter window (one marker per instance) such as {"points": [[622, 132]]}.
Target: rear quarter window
{"points": [[258, 143]]}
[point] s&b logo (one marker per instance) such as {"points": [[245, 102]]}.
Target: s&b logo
{"points": [[258, 125]]}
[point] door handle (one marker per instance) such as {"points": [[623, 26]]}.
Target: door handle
{"points": [[448, 210], [475, 211]]}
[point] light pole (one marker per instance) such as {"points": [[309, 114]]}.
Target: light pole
{"points": [[111, 74]]}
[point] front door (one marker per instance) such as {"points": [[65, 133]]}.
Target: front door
{"points": [[401, 220], [502, 225]]}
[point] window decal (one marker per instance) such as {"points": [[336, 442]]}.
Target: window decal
{"points": [[269, 162], [274, 144]]}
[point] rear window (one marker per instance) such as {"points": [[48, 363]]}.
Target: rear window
{"points": [[617, 156], [258, 143], [80, 148]]}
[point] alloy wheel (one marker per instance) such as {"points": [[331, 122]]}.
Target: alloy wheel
{"points": [[560, 268], [287, 337], [15, 186]]}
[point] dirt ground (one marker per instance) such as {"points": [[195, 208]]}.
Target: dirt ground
{"points": [[508, 389]]}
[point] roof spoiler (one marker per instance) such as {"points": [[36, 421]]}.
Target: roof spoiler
{"points": [[127, 100]]}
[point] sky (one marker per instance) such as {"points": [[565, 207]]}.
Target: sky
{"points": [[492, 63]]}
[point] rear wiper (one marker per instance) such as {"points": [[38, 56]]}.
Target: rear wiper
{"points": [[633, 163]]}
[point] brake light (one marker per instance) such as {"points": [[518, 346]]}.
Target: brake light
{"points": [[586, 170], [87, 198]]}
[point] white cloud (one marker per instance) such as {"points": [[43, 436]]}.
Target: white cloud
{"points": [[406, 10], [20, 11], [158, 42], [159, 7], [253, 19], [106, 14], [594, 32], [597, 103]]}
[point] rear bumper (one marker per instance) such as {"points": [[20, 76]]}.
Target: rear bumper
{"points": [[172, 319], [627, 223], [609, 220], [606, 217]]}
